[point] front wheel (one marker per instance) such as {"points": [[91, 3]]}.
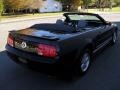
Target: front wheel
{"points": [[114, 38]]}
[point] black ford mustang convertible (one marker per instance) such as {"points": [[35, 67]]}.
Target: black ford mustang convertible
{"points": [[71, 42]]}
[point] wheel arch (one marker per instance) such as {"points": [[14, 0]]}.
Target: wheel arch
{"points": [[89, 47], [116, 30]]}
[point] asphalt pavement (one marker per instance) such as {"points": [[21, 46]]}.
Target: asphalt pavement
{"points": [[104, 73]]}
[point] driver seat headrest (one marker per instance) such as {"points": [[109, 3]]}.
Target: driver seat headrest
{"points": [[82, 24], [59, 21]]}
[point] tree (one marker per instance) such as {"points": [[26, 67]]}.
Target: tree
{"points": [[13, 4], [117, 2], [1, 7], [86, 3], [66, 2], [16, 5], [73, 3], [35, 4], [77, 3]]}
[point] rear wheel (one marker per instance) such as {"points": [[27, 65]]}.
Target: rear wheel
{"points": [[84, 63]]}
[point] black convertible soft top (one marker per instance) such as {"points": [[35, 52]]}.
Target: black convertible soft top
{"points": [[53, 27]]}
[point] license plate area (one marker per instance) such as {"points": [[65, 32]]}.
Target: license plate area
{"points": [[23, 60]]}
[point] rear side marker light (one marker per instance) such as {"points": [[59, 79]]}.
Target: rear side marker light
{"points": [[10, 40]]}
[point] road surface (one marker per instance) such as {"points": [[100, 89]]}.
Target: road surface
{"points": [[104, 73]]}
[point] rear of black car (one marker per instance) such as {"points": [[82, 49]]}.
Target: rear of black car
{"points": [[26, 49], [31, 50]]}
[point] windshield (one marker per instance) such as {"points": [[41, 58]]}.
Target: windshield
{"points": [[82, 17], [83, 20]]}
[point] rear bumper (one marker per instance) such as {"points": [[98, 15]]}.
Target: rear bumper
{"points": [[13, 52], [34, 59]]}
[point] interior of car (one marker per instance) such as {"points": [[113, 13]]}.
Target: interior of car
{"points": [[80, 24]]}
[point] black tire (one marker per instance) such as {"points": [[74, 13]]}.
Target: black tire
{"points": [[83, 65], [114, 38]]}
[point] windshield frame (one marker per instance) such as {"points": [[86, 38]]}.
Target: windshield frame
{"points": [[90, 14]]}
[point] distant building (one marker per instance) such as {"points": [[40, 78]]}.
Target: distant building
{"points": [[51, 6]]}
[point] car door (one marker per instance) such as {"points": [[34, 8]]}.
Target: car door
{"points": [[103, 37]]}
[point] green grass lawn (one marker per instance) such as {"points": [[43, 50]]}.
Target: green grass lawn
{"points": [[114, 9], [29, 15]]}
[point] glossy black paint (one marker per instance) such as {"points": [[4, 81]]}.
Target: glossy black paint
{"points": [[70, 42]]}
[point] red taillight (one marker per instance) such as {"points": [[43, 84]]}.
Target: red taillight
{"points": [[10, 40], [47, 50]]}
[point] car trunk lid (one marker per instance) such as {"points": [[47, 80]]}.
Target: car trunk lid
{"points": [[38, 34]]}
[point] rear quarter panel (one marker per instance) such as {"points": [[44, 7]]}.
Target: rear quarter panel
{"points": [[73, 46]]}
